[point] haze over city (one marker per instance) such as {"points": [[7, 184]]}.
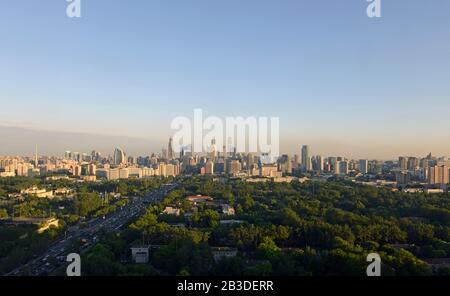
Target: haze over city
{"points": [[22, 142]]}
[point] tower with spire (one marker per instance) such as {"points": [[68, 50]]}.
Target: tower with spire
{"points": [[170, 152], [36, 156]]}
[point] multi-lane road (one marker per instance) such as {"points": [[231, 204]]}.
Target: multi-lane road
{"points": [[57, 252]]}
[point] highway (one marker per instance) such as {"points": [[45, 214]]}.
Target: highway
{"points": [[57, 252]]}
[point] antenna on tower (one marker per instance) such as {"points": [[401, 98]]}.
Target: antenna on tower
{"points": [[36, 156]]}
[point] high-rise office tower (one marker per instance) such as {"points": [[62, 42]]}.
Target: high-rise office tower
{"points": [[171, 154], [413, 163], [403, 163], [363, 166], [306, 158], [376, 167], [234, 166], [295, 161], [343, 167], [209, 167], [36, 157], [119, 156], [334, 163], [92, 169], [403, 178], [77, 170], [76, 156], [212, 150], [250, 160], [164, 153], [317, 163], [93, 155], [68, 155], [438, 175], [225, 156], [284, 164]]}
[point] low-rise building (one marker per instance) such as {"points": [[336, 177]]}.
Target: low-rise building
{"points": [[37, 192], [434, 191], [63, 191], [90, 178], [223, 252], [172, 211], [7, 174], [199, 198], [228, 210], [140, 254]]}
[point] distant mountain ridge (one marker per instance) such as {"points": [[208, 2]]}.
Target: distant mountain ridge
{"points": [[22, 141]]}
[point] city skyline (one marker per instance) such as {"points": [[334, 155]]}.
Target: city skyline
{"points": [[304, 157], [93, 166], [55, 143]]}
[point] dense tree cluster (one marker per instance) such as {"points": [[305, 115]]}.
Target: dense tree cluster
{"points": [[325, 228], [21, 243]]}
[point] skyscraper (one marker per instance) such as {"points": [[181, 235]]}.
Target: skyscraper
{"points": [[93, 155], [92, 169], [119, 156], [334, 165], [402, 177], [212, 150], [403, 163], [209, 167], [285, 164], [317, 163], [171, 154], [438, 175], [68, 155], [250, 160], [225, 156], [295, 162], [343, 167], [36, 157], [234, 166], [376, 167], [363, 166], [413, 163], [306, 158]]}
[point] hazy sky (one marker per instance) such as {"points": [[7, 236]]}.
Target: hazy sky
{"points": [[339, 81]]}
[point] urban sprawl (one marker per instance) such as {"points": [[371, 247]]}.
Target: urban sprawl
{"points": [[410, 174]]}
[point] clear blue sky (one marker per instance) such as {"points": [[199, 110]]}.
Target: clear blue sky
{"points": [[338, 80]]}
